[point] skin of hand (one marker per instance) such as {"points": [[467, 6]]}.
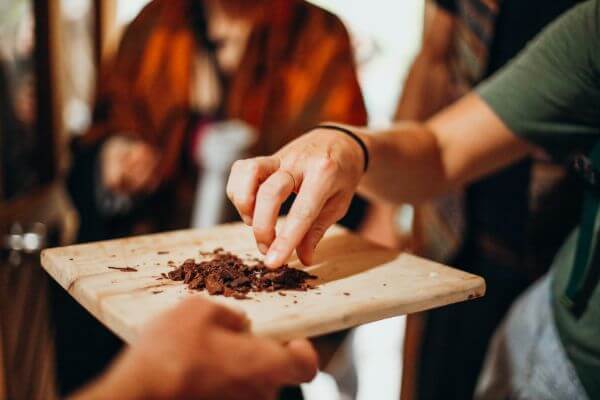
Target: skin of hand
{"points": [[129, 166], [201, 350], [411, 162], [322, 167]]}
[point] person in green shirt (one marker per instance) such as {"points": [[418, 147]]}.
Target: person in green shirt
{"points": [[547, 98]]}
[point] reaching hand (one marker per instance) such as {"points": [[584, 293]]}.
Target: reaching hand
{"points": [[323, 167], [200, 350]]}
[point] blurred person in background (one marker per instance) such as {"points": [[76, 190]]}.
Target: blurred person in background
{"points": [[185, 70], [514, 220]]}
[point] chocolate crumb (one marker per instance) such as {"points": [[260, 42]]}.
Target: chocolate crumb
{"points": [[162, 252], [226, 274], [70, 259], [346, 294], [295, 301], [156, 291], [124, 269], [282, 294]]}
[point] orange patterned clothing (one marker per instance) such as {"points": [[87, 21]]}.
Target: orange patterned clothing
{"points": [[297, 69]]}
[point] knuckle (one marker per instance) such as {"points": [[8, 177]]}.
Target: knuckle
{"points": [[327, 166], [318, 230], [261, 231], [270, 191], [237, 165], [341, 211], [251, 167], [209, 311]]}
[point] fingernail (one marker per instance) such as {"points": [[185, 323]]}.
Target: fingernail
{"points": [[271, 258], [263, 248]]}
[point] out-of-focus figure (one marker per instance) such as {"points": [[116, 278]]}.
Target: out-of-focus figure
{"points": [[183, 68]]}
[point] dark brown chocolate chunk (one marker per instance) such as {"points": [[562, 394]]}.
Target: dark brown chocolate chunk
{"points": [[228, 275], [162, 252], [124, 269]]}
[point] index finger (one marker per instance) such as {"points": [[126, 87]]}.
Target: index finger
{"points": [[314, 192], [244, 180]]}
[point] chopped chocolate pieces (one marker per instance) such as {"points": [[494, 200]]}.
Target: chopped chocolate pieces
{"points": [[162, 252], [157, 291], [346, 294], [124, 269], [226, 274]]}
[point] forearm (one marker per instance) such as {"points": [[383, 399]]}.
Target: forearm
{"points": [[125, 379], [413, 162], [406, 164]]}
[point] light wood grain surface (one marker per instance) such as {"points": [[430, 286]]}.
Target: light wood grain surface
{"points": [[358, 282]]}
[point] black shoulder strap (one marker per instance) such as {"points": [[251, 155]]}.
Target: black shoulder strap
{"points": [[586, 269]]}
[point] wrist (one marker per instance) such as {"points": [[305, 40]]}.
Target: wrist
{"points": [[353, 134], [117, 382]]}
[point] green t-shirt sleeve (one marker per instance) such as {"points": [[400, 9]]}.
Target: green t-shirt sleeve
{"points": [[550, 93]]}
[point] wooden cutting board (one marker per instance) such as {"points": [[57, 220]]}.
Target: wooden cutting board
{"points": [[358, 282]]}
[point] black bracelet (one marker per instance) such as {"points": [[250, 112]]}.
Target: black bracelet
{"points": [[353, 135]]}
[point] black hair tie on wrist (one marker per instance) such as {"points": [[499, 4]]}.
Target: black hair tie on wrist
{"points": [[353, 135]]}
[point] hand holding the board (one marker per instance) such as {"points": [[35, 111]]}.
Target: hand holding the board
{"points": [[202, 350], [323, 167]]}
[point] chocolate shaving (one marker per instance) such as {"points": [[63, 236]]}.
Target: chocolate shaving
{"points": [[124, 269], [226, 274]]}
